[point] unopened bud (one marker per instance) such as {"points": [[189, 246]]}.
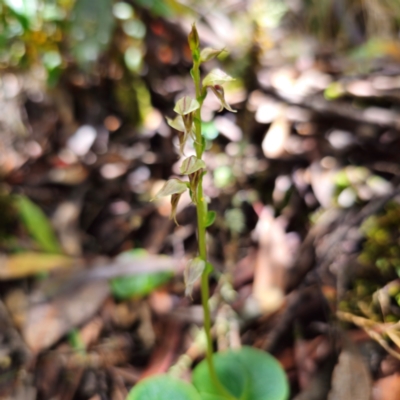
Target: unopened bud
{"points": [[194, 41]]}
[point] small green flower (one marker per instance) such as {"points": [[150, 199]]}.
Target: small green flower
{"points": [[214, 80]]}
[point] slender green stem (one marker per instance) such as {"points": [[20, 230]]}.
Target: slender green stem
{"points": [[201, 226]]}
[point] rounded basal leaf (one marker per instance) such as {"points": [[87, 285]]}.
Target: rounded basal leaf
{"points": [[163, 387], [172, 186], [206, 396], [191, 164], [209, 53], [176, 123], [248, 374], [217, 77], [193, 271], [186, 105]]}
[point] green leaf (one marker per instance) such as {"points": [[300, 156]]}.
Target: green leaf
{"points": [[217, 77], [137, 285], [172, 186], [206, 396], [186, 105], [193, 271], [191, 164], [37, 224], [210, 218], [248, 374], [163, 387]]}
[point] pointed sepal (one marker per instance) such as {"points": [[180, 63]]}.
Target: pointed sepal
{"points": [[218, 90], [194, 179], [172, 186], [209, 53], [193, 271], [186, 105], [185, 127], [174, 205], [176, 123], [191, 165], [217, 77]]}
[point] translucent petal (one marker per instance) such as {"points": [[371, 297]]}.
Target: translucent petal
{"points": [[176, 123], [209, 53], [186, 105], [191, 164], [217, 77], [193, 271], [172, 186]]}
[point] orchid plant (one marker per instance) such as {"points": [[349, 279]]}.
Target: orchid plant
{"points": [[246, 374]]}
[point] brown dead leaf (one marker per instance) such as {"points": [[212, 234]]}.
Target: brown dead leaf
{"points": [[351, 378], [126, 313], [161, 302], [119, 391], [387, 388], [164, 353], [273, 260], [91, 332], [16, 302], [47, 322], [308, 356], [70, 175], [66, 222], [17, 266], [322, 176], [275, 139]]}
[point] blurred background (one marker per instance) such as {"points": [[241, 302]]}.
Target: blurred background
{"points": [[304, 178]]}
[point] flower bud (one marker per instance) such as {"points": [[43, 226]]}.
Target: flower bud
{"points": [[194, 41], [194, 179]]}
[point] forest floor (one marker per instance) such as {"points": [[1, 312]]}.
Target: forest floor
{"points": [[305, 180]]}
